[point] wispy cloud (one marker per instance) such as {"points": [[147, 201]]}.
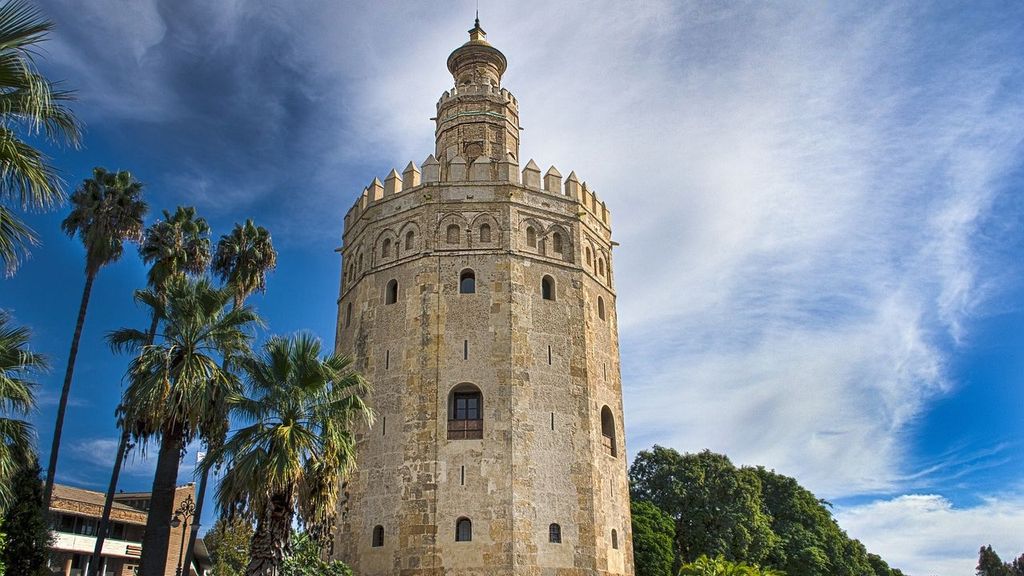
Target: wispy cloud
{"points": [[93, 458], [925, 534]]}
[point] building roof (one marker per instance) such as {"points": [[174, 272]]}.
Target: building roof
{"points": [[90, 497]]}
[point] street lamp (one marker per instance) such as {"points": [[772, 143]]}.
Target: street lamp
{"points": [[182, 515]]}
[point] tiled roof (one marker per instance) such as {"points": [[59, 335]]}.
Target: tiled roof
{"points": [[88, 497]]}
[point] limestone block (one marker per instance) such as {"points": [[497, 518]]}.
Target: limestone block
{"points": [[431, 169], [508, 169], [457, 169], [376, 190], [531, 175], [553, 181], [410, 177], [480, 170], [572, 186], [393, 183]]}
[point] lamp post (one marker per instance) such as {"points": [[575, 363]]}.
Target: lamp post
{"points": [[182, 515]]}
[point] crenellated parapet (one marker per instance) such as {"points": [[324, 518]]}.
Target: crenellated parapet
{"points": [[482, 170]]}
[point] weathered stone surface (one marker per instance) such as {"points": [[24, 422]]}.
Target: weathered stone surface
{"points": [[545, 368]]}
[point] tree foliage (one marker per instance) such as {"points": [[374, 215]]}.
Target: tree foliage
{"points": [[306, 559], [295, 445], [990, 564], [653, 536], [748, 515], [228, 543], [18, 367], [28, 537], [719, 566], [32, 106]]}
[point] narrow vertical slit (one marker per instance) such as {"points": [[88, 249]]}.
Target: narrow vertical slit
{"points": [[387, 359], [465, 349], [552, 420], [462, 480], [384, 426], [549, 354]]}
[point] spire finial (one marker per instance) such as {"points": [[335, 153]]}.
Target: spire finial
{"points": [[477, 33]]}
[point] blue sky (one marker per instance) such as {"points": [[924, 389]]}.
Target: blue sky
{"points": [[819, 207]]}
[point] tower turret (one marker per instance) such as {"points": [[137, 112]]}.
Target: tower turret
{"points": [[477, 117]]}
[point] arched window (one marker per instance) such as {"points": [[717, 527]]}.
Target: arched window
{"points": [[410, 237], [378, 536], [547, 288], [391, 293], [360, 262], [608, 430], [600, 307], [555, 534], [485, 233], [586, 253], [348, 315], [452, 235], [465, 413], [600, 267], [556, 243], [385, 248], [531, 237], [463, 530], [615, 539], [467, 282]]}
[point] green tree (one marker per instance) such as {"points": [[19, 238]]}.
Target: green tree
{"points": [[242, 261], [294, 447], [654, 533], [719, 566], [989, 563], [30, 105], [174, 247], [228, 543], [178, 388], [25, 522], [18, 365], [717, 508], [305, 559], [107, 210], [1017, 566]]}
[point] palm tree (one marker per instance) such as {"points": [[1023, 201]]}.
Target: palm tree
{"points": [[17, 399], [242, 261], [176, 246], [32, 105], [296, 446], [178, 388], [107, 211]]}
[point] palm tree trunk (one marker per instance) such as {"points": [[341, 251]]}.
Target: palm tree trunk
{"points": [[161, 505], [272, 538], [115, 475], [51, 469]]}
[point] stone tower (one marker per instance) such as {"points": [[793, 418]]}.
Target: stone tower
{"points": [[477, 299]]}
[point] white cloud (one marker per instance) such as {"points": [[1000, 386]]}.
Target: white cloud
{"points": [[94, 457], [926, 535]]}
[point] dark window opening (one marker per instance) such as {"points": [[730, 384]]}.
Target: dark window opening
{"points": [[531, 237], [555, 534], [409, 238], [465, 413], [391, 293], [467, 282], [615, 539], [608, 430], [600, 307], [385, 249], [556, 243], [547, 288], [378, 536], [463, 530]]}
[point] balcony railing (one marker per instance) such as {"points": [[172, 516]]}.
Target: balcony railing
{"points": [[465, 429]]}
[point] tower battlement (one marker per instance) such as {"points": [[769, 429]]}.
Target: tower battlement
{"points": [[477, 298]]}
